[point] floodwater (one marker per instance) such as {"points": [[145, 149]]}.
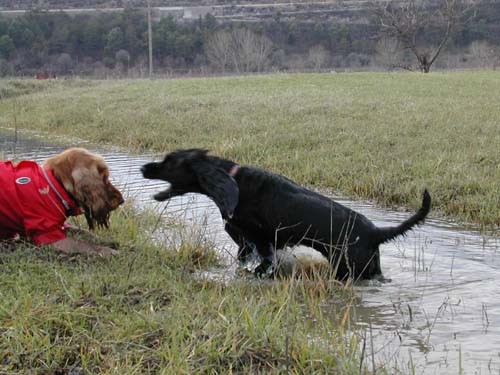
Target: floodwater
{"points": [[440, 314]]}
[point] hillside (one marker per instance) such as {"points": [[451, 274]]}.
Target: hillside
{"points": [[109, 38], [306, 11]]}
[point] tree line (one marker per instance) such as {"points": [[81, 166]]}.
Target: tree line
{"points": [[116, 44]]}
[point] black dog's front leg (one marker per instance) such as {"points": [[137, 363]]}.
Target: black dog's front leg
{"points": [[248, 242], [245, 248], [267, 266]]}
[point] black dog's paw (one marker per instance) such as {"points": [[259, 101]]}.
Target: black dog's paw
{"points": [[264, 269], [248, 255]]}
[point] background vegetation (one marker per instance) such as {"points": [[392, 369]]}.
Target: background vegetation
{"points": [[114, 44]]}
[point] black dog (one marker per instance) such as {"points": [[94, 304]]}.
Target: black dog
{"points": [[265, 211]]}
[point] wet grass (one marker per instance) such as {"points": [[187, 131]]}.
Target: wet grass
{"points": [[378, 136], [146, 311]]}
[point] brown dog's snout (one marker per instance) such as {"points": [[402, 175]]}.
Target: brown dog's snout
{"points": [[116, 197]]}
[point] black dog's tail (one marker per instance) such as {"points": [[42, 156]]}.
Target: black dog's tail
{"points": [[389, 233]]}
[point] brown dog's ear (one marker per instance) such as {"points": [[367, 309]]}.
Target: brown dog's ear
{"points": [[62, 167], [88, 188], [218, 185]]}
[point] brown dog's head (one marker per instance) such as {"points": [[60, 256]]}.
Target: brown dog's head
{"points": [[86, 177]]}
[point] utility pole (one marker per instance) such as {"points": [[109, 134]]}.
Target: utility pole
{"points": [[150, 42]]}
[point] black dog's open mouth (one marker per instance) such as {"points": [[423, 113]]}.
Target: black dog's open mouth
{"points": [[150, 171], [163, 195]]}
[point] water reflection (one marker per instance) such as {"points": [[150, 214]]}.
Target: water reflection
{"points": [[440, 311]]}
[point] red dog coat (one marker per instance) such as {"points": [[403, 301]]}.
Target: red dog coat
{"points": [[33, 204]]}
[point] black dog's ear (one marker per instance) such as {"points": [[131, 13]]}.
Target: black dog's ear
{"points": [[218, 185], [188, 155], [196, 153]]}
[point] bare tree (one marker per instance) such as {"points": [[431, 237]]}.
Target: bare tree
{"points": [[407, 21], [242, 42], [239, 49], [5, 68], [388, 53], [263, 48], [122, 57], [318, 56], [218, 49], [250, 51], [64, 63], [482, 54]]}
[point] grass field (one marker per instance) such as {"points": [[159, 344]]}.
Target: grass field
{"points": [[378, 136], [145, 311]]}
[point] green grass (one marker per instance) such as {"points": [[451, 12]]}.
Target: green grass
{"points": [[146, 311], [379, 136], [372, 135]]}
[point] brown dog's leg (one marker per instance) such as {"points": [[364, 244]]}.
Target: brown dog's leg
{"points": [[72, 246]]}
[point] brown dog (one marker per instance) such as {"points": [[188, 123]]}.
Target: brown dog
{"points": [[36, 200]]}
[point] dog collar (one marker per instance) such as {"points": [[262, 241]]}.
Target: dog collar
{"points": [[70, 209], [234, 169]]}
